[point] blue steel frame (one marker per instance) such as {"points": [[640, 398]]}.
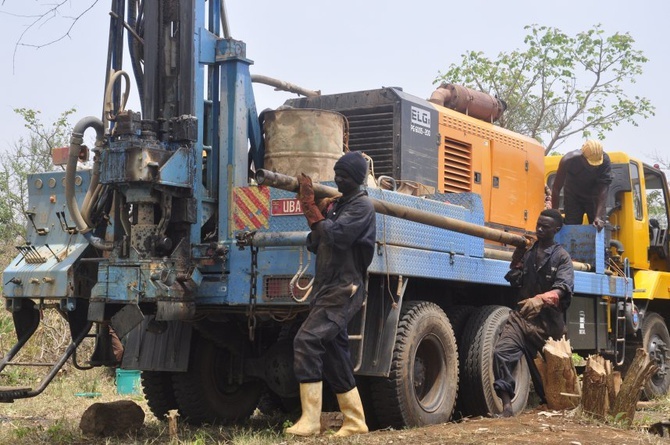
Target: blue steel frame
{"points": [[222, 81]]}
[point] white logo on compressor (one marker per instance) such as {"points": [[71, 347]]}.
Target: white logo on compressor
{"points": [[420, 117]]}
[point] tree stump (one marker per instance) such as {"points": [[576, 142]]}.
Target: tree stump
{"points": [[638, 374], [605, 394], [112, 419], [559, 377], [613, 386], [595, 393]]}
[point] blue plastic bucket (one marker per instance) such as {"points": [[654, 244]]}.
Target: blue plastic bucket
{"points": [[127, 381]]}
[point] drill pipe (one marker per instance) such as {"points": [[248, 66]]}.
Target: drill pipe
{"points": [[290, 184], [507, 256]]}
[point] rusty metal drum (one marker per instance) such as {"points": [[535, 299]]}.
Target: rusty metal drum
{"points": [[303, 141]]}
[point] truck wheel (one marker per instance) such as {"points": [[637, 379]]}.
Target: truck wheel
{"points": [[656, 341], [478, 341], [421, 388], [458, 317], [159, 392], [206, 394]]}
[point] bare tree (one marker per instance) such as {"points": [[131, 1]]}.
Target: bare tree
{"points": [[48, 11]]}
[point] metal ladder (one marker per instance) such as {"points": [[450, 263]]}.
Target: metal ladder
{"points": [[620, 318], [620, 332], [8, 393]]}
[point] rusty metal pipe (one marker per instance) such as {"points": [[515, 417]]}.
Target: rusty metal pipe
{"points": [[503, 255], [465, 100], [279, 239], [290, 184]]}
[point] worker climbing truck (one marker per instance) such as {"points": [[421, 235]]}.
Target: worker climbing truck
{"points": [[185, 237]]}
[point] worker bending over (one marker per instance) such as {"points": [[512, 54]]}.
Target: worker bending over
{"points": [[585, 176]]}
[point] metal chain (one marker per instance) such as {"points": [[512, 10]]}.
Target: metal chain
{"points": [[251, 311]]}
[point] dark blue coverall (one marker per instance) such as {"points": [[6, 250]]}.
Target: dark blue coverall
{"points": [[344, 245], [521, 337]]}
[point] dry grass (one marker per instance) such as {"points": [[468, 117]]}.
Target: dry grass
{"points": [[53, 418]]}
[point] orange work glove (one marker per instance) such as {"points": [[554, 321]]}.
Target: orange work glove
{"points": [[324, 204], [306, 198], [550, 298], [531, 307]]}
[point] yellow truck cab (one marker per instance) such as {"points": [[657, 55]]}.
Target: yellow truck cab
{"points": [[637, 239]]}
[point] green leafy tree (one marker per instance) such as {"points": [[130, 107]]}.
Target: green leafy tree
{"points": [[31, 154], [560, 85], [656, 206], [655, 198]]}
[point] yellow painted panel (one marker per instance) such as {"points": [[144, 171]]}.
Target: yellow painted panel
{"points": [[506, 168], [651, 284]]}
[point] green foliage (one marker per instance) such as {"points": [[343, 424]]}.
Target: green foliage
{"points": [[61, 432], [560, 85], [28, 155], [21, 431], [6, 324], [578, 360], [656, 205]]}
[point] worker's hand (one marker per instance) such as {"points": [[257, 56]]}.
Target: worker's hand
{"points": [[517, 256], [530, 307], [550, 298], [324, 204], [514, 277], [306, 189], [547, 197], [598, 223]]}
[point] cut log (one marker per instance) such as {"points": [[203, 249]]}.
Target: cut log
{"points": [[559, 376], [613, 385], [638, 374], [595, 400], [172, 424], [112, 419]]}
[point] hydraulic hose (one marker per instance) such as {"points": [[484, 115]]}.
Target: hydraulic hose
{"points": [[76, 141], [282, 85]]}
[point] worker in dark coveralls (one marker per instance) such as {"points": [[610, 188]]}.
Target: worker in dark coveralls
{"points": [[344, 242], [545, 277], [585, 176]]}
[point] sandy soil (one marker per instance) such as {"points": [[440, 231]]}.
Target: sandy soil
{"points": [[532, 427]]}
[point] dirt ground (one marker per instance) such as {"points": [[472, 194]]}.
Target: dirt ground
{"points": [[532, 427]]}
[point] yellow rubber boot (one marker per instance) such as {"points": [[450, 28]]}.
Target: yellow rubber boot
{"points": [[354, 417], [309, 423]]}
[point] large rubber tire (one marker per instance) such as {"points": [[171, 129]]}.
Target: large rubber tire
{"points": [[479, 338], [159, 392], [206, 395], [458, 317], [423, 382], [656, 341]]}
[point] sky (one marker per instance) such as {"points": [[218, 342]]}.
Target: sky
{"points": [[332, 46]]}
